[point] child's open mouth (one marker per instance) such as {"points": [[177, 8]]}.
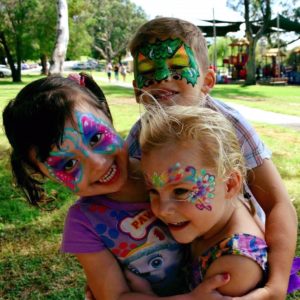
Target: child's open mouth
{"points": [[178, 225], [111, 174], [162, 95]]}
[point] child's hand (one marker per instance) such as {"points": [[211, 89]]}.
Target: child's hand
{"points": [[138, 284], [207, 289], [88, 295]]}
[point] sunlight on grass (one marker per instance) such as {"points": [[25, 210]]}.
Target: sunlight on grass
{"points": [[280, 99]]}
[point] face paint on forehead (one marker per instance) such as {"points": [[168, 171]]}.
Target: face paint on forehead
{"points": [[94, 135], [162, 59], [203, 183]]}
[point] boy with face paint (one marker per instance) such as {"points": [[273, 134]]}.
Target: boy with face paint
{"points": [[171, 65]]}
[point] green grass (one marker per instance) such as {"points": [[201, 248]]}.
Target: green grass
{"points": [[280, 99], [31, 266]]}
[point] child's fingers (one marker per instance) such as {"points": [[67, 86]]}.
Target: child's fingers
{"points": [[138, 284], [215, 281], [88, 293]]}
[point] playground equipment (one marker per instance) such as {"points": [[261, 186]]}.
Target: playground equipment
{"points": [[237, 60], [273, 68], [293, 71]]}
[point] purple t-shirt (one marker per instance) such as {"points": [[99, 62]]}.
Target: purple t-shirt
{"points": [[134, 236]]}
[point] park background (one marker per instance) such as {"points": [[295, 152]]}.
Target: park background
{"points": [[31, 265]]}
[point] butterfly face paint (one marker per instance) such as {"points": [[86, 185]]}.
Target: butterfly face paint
{"points": [[201, 191], [93, 135], [163, 59]]}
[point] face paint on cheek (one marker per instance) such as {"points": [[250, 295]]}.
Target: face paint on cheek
{"points": [[56, 167], [99, 135], [203, 189], [190, 73]]}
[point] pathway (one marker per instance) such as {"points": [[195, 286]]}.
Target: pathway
{"points": [[251, 114]]}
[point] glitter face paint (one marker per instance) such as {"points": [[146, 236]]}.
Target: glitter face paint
{"points": [[94, 135], [162, 59], [200, 193]]}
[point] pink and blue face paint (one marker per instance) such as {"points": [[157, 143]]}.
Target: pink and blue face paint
{"points": [[94, 135], [203, 184]]}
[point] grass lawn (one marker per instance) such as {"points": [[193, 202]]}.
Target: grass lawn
{"points": [[31, 266], [280, 99]]}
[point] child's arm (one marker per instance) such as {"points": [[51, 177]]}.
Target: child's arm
{"points": [[281, 229], [245, 274], [107, 281]]}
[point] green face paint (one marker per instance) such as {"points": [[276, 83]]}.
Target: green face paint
{"points": [[162, 59]]}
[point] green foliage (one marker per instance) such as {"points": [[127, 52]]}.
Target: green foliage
{"points": [[115, 23], [222, 50]]}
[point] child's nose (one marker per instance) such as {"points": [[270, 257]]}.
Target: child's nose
{"points": [[162, 73], [166, 207], [97, 161]]}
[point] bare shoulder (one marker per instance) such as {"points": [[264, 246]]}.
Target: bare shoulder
{"points": [[244, 272]]}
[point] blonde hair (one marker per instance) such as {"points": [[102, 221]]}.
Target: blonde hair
{"points": [[172, 28], [219, 148]]}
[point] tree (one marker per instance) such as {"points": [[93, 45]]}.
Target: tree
{"points": [[222, 50], [253, 10], [80, 22], [291, 9], [115, 23], [62, 38], [14, 28]]}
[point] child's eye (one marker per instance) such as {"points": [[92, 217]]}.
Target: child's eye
{"points": [[70, 164], [181, 193], [153, 192], [96, 138], [177, 67]]}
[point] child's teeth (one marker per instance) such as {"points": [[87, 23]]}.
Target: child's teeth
{"points": [[178, 223], [110, 174]]}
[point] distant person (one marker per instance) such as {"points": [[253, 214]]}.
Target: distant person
{"points": [[123, 71], [116, 71], [258, 71], [109, 69]]}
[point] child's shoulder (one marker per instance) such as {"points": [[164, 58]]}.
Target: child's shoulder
{"points": [[241, 255]]}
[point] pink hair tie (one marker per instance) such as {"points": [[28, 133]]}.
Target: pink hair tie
{"points": [[77, 78]]}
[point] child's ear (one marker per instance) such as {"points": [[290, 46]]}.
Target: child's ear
{"points": [[137, 92], [209, 81], [233, 185]]}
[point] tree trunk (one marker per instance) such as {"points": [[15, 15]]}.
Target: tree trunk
{"points": [[44, 60], [62, 38], [15, 72], [253, 39], [250, 66]]}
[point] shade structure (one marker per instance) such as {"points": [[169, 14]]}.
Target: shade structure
{"points": [[285, 24]]}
